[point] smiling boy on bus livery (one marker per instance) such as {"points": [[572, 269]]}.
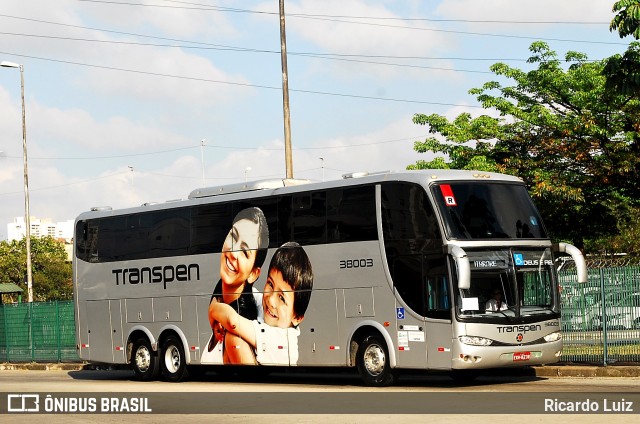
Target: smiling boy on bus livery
{"points": [[285, 300]]}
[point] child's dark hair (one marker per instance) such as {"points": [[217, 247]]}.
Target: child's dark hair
{"points": [[256, 216], [292, 261]]}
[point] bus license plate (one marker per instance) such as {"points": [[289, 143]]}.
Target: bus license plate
{"points": [[521, 356]]}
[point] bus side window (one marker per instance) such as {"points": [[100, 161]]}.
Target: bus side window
{"points": [[406, 271], [310, 217], [437, 297], [209, 227], [351, 214]]}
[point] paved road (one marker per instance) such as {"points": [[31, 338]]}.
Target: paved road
{"points": [[332, 396]]}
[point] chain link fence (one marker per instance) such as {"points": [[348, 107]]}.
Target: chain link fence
{"points": [[601, 318], [37, 332]]}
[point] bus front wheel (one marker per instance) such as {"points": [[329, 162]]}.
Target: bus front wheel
{"points": [[372, 360], [173, 365], [144, 362]]}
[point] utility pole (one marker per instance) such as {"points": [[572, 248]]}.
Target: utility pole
{"points": [[27, 215], [285, 95]]}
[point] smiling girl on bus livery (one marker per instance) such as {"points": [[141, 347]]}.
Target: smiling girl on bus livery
{"points": [[243, 253]]}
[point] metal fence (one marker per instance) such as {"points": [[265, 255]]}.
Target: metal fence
{"points": [[37, 332], [601, 318]]}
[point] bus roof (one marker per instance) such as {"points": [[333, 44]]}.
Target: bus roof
{"points": [[276, 185], [418, 176]]}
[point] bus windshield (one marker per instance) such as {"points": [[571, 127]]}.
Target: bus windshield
{"points": [[484, 210], [508, 283]]}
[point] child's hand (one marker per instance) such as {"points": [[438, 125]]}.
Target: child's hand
{"points": [[218, 331], [222, 315], [216, 327]]}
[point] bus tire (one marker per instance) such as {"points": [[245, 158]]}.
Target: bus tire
{"points": [[372, 360], [173, 365], [144, 361]]}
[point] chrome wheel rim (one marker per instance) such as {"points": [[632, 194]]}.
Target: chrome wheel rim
{"points": [[374, 360], [143, 358], [172, 359]]}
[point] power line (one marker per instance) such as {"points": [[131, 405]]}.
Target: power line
{"points": [[68, 184], [241, 84], [211, 46], [103, 157], [201, 6], [193, 6], [320, 17], [331, 18], [481, 34], [150, 173], [346, 146], [325, 56], [328, 56], [227, 47]]}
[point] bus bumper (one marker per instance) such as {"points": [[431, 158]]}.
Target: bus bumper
{"points": [[478, 357]]}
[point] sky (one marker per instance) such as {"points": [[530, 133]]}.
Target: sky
{"points": [[135, 101]]}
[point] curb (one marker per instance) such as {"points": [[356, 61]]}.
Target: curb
{"points": [[33, 366], [586, 371], [62, 366]]}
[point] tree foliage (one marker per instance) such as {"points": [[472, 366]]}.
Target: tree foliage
{"points": [[627, 19], [573, 141], [623, 71], [51, 271]]}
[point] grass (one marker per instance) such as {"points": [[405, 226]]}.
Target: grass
{"points": [[626, 350]]}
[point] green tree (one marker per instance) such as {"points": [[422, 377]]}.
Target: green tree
{"points": [[574, 143], [50, 268], [627, 19], [623, 71]]}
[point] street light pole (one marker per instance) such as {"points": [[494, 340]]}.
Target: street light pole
{"points": [[204, 184], [27, 216]]}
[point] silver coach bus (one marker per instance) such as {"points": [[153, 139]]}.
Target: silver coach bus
{"points": [[417, 270]]}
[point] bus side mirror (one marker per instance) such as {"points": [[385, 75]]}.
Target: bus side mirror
{"points": [[462, 263], [576, 254]]}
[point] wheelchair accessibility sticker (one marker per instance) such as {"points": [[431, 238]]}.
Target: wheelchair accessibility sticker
{"points": [[400, 313], [519, 259]]}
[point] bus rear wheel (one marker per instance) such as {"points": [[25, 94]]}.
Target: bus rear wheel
{"points": [[143, 360], [173, 365], [372, 360]]}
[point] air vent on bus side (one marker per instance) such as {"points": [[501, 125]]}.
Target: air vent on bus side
{"points": [[362, 174], [242, 187]]}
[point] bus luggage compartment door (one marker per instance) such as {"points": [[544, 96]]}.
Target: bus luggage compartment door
{"points": [[99, 331], [358, 302]]}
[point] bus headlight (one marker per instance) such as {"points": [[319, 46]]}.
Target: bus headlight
{"points": [[475, 341], [553, 337]]}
